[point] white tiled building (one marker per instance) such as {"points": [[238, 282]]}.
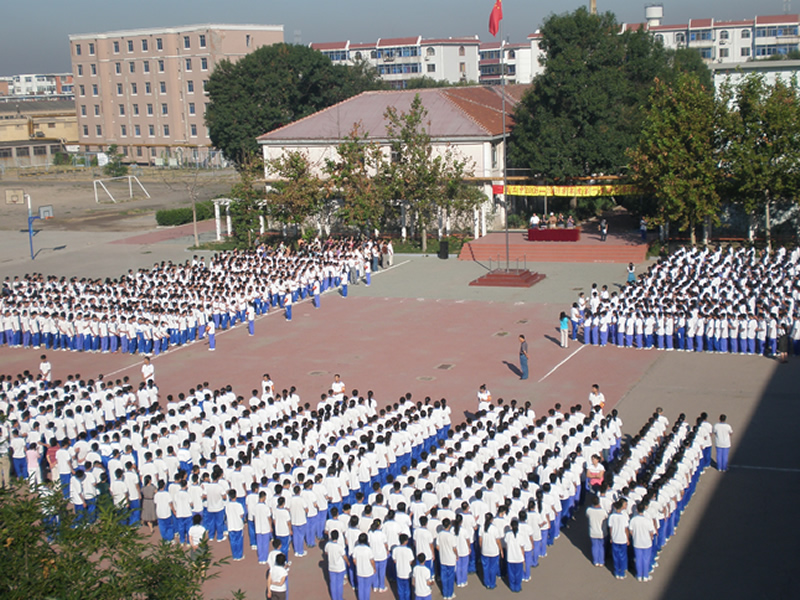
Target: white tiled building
{"points": [[399, 59]]}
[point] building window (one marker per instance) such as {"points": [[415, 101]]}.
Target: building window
{"points": [[138, 150], [116, 47], [194, 130], [707, 53], [462, 67], [83, 110], [186, 42], [118, 68], [745, 52], [98, 130], [745, 35], [680, 38], [160, 66], [85, 131], [723, 35], [373, 54], [166, 130], [82, 90], [431, 68], [205, 84], [146, 66], [159, 44], [23, 152], [124, 151], [119, 89], [40, 150], [723, 53], [204, 64], [6, 152], [91, 49], [121, 110], [659, 38], [144, 45], [135, 108], [78, 51], [247, 40], [96, 110], [510, 54], [191, 108], [80, 70], [190, 87], [147, 88], [94, 89], [149, 109], [164, 109], [93, 68], [123, 131], [202, 40], [151, 130], [152, 151], [162, 86], [188, 64], [430, 52], [134, 89], [130, 45], [132, 67], [461, 51]]}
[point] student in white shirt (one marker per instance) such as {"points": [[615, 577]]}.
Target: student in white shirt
{"points": [[490, 536], [422, 578], [336, 558], [722, 440], [234, 513], [277, 579], [597, 531], [164, 514], [619, 533], [514, 556], [403, 558], [642, 532], [446, 543], [364, 565]]}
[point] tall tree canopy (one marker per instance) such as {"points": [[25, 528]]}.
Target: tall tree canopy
{"points": [[676, 160], [763, 144], [585, 110], [271, 87]]}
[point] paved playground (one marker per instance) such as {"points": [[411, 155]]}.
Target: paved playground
{"points": [[421, 329]]}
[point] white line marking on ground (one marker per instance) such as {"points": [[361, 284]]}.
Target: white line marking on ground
{"points": [[778, 469], [551, 371], [258, 318]]}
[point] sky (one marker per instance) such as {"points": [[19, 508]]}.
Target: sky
{"points": [[34, 35]]}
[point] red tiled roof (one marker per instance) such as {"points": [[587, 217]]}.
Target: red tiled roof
{"points": [[490, 46], [777, 19], [445, 41], [535, 36], [362, 45], [700, 23], [405, 41], [460, 112], [669, 27], [329, 45]]}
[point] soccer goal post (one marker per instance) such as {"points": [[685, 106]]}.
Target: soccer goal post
{"points": [[100, 184]]}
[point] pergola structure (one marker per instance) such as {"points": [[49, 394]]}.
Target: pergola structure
{"points": [[220, 203]]}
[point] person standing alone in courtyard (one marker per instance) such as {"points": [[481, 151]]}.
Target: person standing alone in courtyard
{"points": [[563, 325], [722, 439], [523, 356]]}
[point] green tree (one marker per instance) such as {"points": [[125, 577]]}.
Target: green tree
{"points": [[676, 159], [357, 175], [585, 110], [273, 86], [247, 207], [763, 145], [115, 167], [298, 194], [47, 553], [426, 181]]}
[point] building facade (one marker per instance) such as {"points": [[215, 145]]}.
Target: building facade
{"points": [[514, 59], [144, 89], [396, 60], [33, 131]]}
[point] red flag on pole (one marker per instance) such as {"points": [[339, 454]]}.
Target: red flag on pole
{"points": [[495, 17]]}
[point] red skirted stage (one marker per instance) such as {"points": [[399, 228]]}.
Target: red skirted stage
{"points": [[554, 235]]}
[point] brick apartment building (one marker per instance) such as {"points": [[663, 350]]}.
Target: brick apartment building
{"points": [[144, 89]]}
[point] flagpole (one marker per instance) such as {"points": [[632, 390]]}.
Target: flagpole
{"points": [[505, 149]]}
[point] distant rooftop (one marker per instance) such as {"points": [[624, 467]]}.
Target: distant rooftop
{"points": [[176, 29]]}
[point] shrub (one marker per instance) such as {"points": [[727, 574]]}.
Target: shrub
{"points": [[170, 217]]}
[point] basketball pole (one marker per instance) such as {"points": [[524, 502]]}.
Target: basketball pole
{"points": [[31, 219]]}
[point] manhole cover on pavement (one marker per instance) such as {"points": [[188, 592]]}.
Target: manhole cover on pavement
{"points": [[577, 289], [522, 321], [426, 378], [445, 367], [316, 373], [501, 334]]}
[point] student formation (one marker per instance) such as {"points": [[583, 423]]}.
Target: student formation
{"points": [[723, 301], [150, 310], [396, 493]]}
